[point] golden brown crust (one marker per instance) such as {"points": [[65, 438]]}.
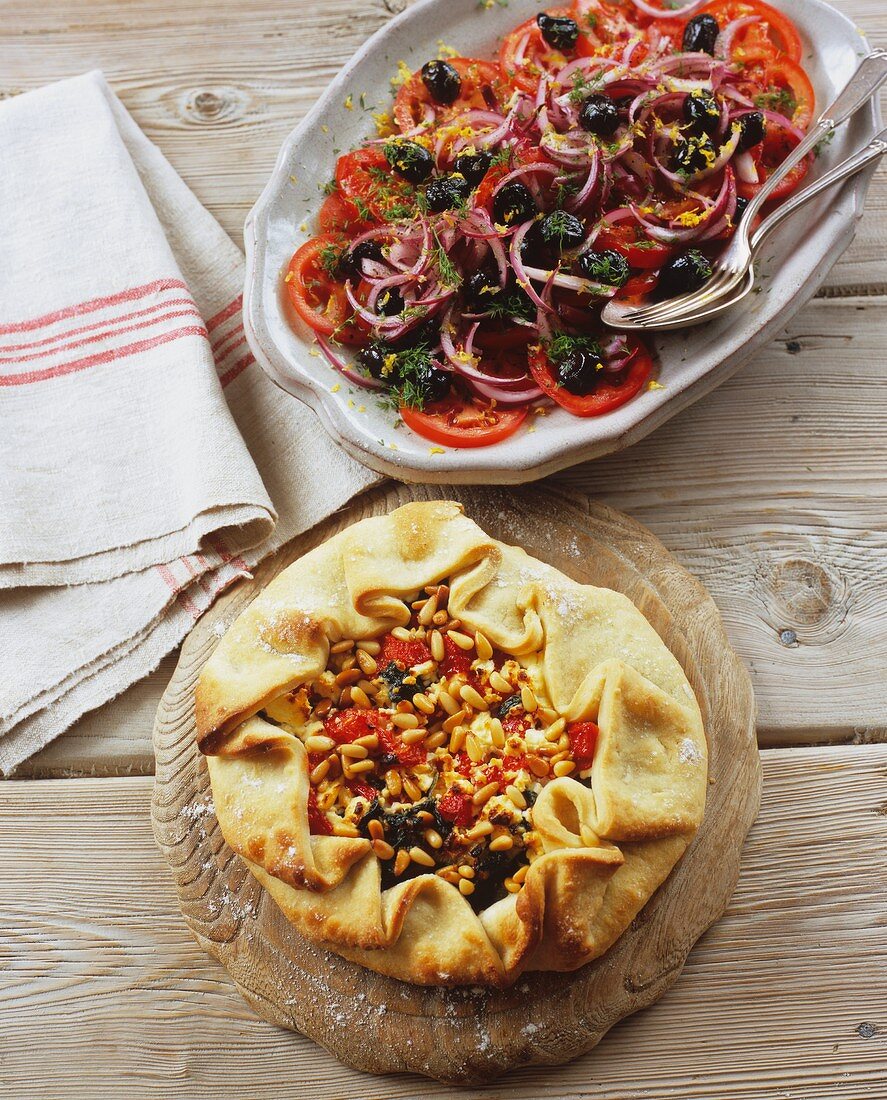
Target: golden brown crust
{"points": [[604, 849]]}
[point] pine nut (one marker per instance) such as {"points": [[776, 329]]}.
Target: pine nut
{"points": [[424, 669], [405, 721], [323, 707], [435, 741], [320, 771], [511, 886], [461, 640], [497, 733], [369, 646], [516, 796], [414, 736], [402, 634], [348, 676], [499, 683], [564, 767], [474, 749], [375, 829], [538, 766], [438, 650], [371, 741], [448, 703], [319, 744], [465, 887], [482, 644], [433, 838], [482, 828], [383, 850], [354, 752], [360, 698], [393, 783], [473, 697], [547, 714], [560, 755], [484, 795], [466, 870], [403, 707], [457, 738], [402, 862], [554, 731], [439, 618], [366, 663], [423, 703], [344, 828], [427, 613], [449, 874], [501, 843], [455, 720], [326, 800], [454, 624], [528, 699], [361, 766], [417, 855], [342, 647], [412, 788], [520, 874]]}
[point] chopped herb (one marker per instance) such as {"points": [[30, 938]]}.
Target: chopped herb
{"points": [[564, 344]]}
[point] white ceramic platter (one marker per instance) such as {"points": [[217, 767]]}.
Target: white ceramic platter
{"points": [[796, 260]]}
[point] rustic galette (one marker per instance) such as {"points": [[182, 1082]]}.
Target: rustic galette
{"points": [[444, 759]]}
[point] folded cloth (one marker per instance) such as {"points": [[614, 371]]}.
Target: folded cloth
{"points": [[147, 462]]}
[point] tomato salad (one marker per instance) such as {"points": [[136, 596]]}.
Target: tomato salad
{"points": [[608, 151]]}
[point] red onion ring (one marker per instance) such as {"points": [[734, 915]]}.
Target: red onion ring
{"points": [[344, 369]]}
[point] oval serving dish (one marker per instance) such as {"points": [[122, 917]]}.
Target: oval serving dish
{"points": [[794, 262]]}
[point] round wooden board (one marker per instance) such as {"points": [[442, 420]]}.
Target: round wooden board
{"points": [[465, 1035]]}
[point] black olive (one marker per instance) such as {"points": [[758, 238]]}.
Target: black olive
{"points": [[442, 81], [481, 289], [752, 130], [623, 102], [609, 267], [599, 116], [410, 160], [428, 332], [683, 274], [351, 263], [561, 230], [374, 358], [473, 166], [579, 372], [445, 192], [741, 204], [433, 382], [390, 302], [693, 154], [700, 34], [559, 31], [508, 704], [514, 204], [534, 249], [701, 110]]}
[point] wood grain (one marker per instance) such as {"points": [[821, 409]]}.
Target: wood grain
{"points": [[786, 530], [219, 85], [462, 1035], [103, 992]]}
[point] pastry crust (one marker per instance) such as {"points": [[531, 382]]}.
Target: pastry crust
{"points": [[599, 851]]}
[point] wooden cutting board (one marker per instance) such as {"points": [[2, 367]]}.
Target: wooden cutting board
{"points": [[381, 1025]]}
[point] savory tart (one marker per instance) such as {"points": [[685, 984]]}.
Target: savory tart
{"points": [[446, 760]]}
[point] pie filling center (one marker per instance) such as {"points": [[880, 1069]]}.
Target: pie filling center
{"points": [[434, 745]]}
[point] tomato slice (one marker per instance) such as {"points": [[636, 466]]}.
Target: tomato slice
{"points": [[774, 36], [606, 397], [524, 153], [638, 286], [458, 423], [784, 87], [339, 217], [630, 240], [772, 151], [318, 299], [525, 55], [603, 24], [482, 88], [367, 183]]}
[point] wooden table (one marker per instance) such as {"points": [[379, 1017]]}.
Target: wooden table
{"points": [[771, 490]]}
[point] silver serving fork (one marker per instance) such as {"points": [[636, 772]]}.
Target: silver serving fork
{"points": [[733, 268]]}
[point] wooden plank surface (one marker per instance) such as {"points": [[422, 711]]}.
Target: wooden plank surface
{"points": [[103, 992], [219, 84], [786, 530]]}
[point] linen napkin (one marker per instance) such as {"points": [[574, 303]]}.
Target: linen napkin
{"points": [[146, 461]]}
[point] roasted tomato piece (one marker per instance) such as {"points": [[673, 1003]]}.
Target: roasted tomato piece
{"points": [[348, 725], [456, 807], [583, 739], [318, 824], [391, 744], [407, 654]]}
